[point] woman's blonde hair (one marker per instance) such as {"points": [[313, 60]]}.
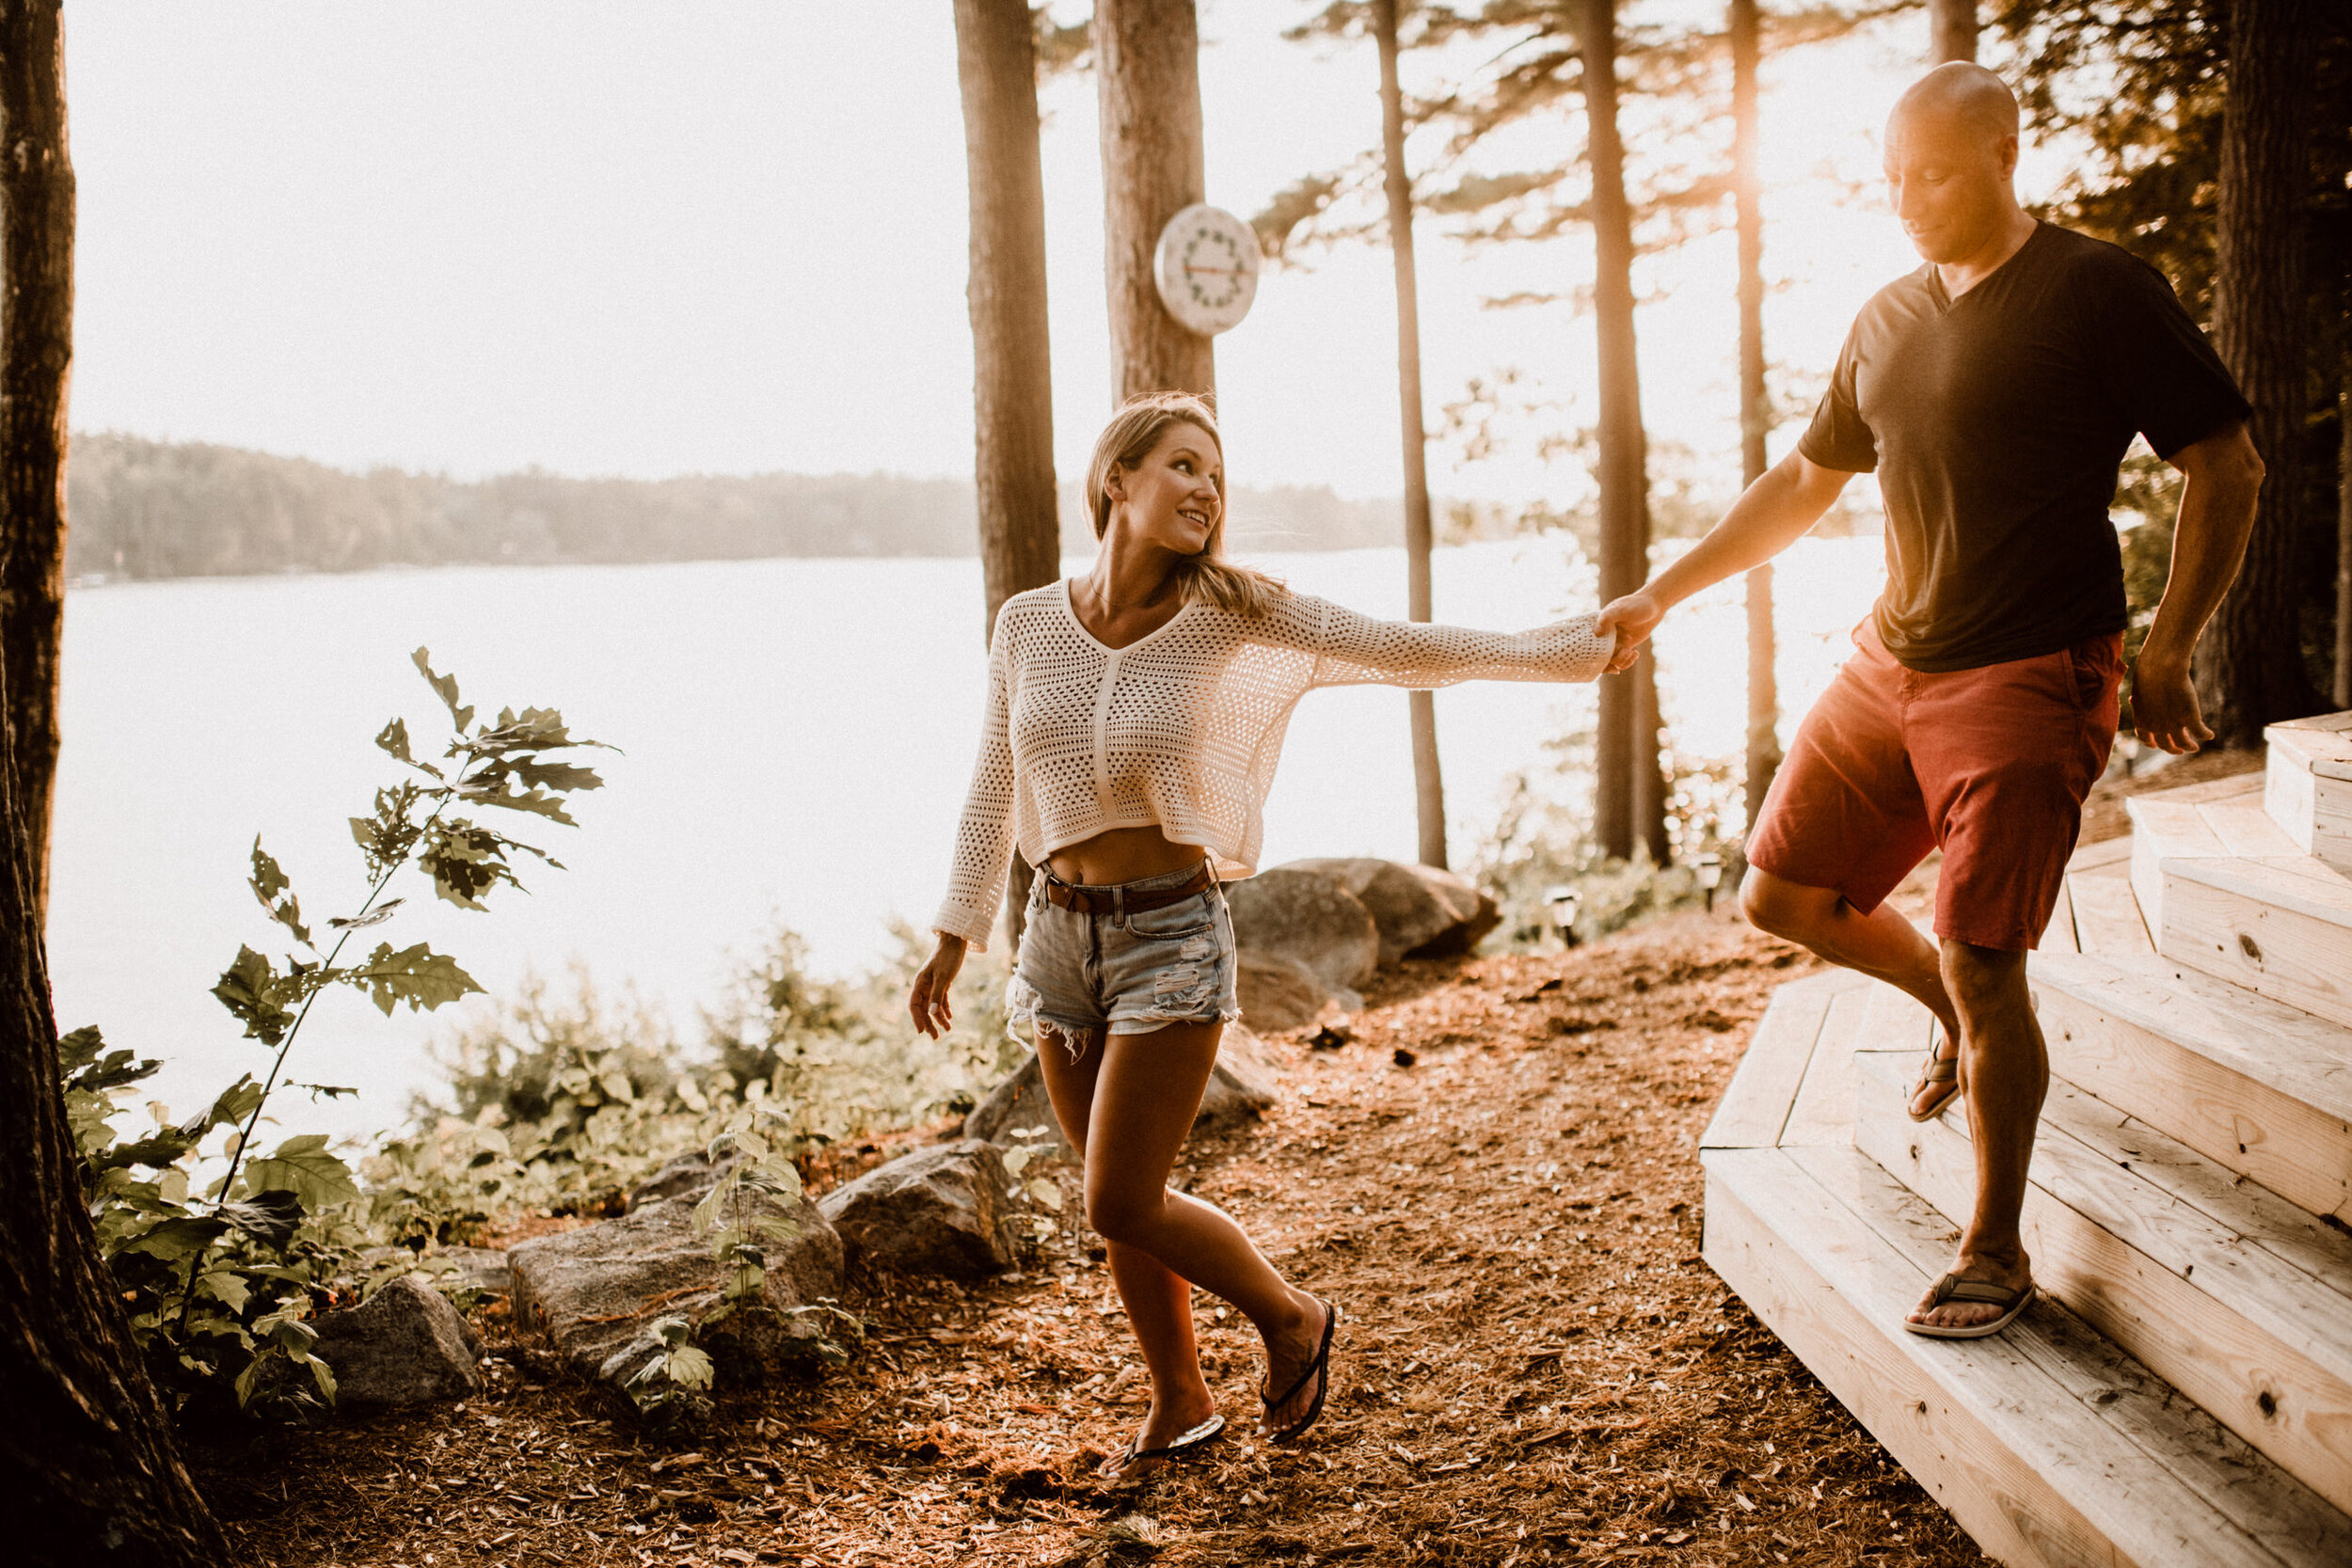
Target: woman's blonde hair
{"points": [[1208, 577]]}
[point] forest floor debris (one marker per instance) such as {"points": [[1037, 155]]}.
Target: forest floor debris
{"points": [[1492, 1167]]}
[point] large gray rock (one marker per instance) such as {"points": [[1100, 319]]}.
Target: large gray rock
{"points": [[405, 1345], [475, 1268], [1243, 1084], [1310, 918], [594, 1292], [1277, 992], [943, 1210], [688, 1175], [1419, 912]]}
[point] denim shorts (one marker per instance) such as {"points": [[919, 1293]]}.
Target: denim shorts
{"points": [[1125, 975]]}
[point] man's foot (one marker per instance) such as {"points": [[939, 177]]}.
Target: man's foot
{"points": [[2014, 1282], [1173, 1430], [1298, 1371], [1939, 1078]]}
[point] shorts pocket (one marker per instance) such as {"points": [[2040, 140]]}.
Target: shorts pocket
{"points": [[1188, 917]]}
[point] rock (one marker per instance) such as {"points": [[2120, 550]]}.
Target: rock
{"points": [[1419, 910], [690, 1175], [404, 1345], [1310, 918], [593, 1293], [1283, 993], [475, 1268], [1242, 1084], [943, 1210]]}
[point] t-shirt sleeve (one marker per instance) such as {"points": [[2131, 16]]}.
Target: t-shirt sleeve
{"points": [[2147, 352], [1837, 437]]}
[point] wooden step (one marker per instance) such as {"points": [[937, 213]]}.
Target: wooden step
{"points": [[2048, 1445], [2307, 785], [2224, 891], [2260, 1089], [2183, 1274]]}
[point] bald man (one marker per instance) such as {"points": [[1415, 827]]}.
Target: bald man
{"points": [[1993, 392]]}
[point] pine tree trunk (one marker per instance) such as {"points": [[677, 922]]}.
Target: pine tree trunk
{"points": [[2342, 693], [36, 362], [1755, 416], [1952, 30], [1428, 781], [87, 1459], [1149, 74], [1012, 388], [2250, 667], [1625, 786]]}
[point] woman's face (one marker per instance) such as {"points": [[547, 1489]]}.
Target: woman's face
{"points": [[1175, 496]]}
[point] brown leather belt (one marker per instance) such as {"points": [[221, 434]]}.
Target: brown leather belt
{"points": [[1109, 901]]}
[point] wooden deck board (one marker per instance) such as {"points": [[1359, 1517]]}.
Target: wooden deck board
{"points": [[2106, 917], [1822, 1109], [1756, 1107]]}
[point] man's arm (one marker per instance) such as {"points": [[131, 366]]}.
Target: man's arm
{"points": [[1769, 516], [2223, 477]]}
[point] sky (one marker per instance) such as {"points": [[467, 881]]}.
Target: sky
{"points": [[717, 236]]}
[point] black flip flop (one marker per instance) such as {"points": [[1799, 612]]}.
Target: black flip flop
{"points": [[1320, 1368], [1186, 1445]]}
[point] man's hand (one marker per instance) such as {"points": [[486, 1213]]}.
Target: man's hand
{"points": [[929, 1001], [1632, 619], [2164, 703]]}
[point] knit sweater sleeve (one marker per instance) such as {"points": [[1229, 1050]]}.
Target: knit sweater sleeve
{"points": [[1355, 650], [975, 880]]}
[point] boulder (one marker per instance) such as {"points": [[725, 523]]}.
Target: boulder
{"points": [[1310, 918], [689, 1175], [475, 1268], [1241, 1085], [594, 1293], [403, 1346], [1419, 910], [1277, 992], [943, 1210]]}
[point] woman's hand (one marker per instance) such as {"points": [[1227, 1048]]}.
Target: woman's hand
{"points": [[1632, 619], [934, 1014]]}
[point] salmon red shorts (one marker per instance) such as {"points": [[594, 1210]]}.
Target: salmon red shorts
{"points": [[1990, 765]]}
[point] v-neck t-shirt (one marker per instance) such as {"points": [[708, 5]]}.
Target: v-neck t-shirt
{"points": [[1996, 423]]}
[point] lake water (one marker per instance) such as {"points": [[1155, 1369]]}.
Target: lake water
{"points": [[795, 738]]}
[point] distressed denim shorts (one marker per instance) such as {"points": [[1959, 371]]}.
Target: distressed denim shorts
{"points": [[1125, 975]]}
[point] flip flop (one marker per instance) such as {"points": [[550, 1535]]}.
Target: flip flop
{"points": [[1319, 1369], [1940, 1069], [1951, 1287], [1186, 1443]]}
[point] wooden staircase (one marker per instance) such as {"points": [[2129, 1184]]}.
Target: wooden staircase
{"points": [[2181, 1390]]}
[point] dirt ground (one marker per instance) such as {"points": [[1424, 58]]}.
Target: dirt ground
{"points": [[1495, 1176]]}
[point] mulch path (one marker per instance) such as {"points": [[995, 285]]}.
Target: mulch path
{"points": [[1494, 1174]]}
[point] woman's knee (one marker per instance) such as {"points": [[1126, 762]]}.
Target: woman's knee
{"points": [[1121, 1213]]}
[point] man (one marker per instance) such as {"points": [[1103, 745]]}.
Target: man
{"points": [[1993, 391]]}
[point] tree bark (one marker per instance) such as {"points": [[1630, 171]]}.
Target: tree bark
{"points": [[2250, 667], [1012, 385], [1756, 415], [36, 364], [2342, 693], [1952, 31], [1146, 68], [1428, 781], [1628, 793]]}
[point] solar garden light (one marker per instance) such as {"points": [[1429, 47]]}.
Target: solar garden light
{"points": [[1710, 869], [1561, 902]]}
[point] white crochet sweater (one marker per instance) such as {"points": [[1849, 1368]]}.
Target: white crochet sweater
{"points": [[1182, 729]]}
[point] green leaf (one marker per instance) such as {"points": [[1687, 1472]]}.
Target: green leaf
{"points": [[417, 975], [228, 1287], [237, 1101], [172, 1239], [689, 1367], [303, 1167], [271, 1216], [558, 776], [445, 685], [1046, 1192], [393, 739], [253, 993]]}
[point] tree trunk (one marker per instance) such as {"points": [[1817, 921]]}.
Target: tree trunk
{"points": [[2342, 693], [1148, 73], [1756, 415], [36, 363], [1952, 30], [1428, 783], [1627, 703], [1012, 388], [2249, 668]]}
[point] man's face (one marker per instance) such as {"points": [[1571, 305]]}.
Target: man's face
{"points": [[1947, 178]]}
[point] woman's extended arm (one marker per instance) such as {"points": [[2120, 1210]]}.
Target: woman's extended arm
{"points": [[1353, 650], [976, 884]]}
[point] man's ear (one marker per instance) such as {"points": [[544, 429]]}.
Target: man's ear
{"points": [[2009, 156]]}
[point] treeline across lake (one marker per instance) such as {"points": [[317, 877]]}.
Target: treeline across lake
{"points": [[144, 509]]}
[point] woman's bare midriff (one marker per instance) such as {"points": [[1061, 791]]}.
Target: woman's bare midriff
{"points": [[1122, 855]]}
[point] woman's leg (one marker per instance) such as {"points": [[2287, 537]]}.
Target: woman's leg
{"points": [[1146, 1092]]}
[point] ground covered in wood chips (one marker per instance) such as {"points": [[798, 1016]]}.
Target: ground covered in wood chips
{"points": [[1492, 1168]]}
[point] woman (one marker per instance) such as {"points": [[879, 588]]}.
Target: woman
{"points": [[1134, 715]]}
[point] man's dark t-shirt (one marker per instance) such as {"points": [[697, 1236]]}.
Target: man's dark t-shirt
{"points": [[1996, 423]]}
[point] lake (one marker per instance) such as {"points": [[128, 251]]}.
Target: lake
{"points": [[795, 740]]}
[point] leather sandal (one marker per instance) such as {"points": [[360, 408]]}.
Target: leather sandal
{"points": [[1939, 1069], [1320, 1369], [1186, 1445], [1951, 1287]]}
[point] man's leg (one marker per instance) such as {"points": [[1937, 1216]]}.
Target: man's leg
{"points": [[2005, 1073], [1882, 944]]}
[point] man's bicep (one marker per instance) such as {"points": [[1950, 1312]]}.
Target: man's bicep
{"points": [[2227, 453]]}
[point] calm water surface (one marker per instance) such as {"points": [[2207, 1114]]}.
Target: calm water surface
{"points": [[796, 736]]}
